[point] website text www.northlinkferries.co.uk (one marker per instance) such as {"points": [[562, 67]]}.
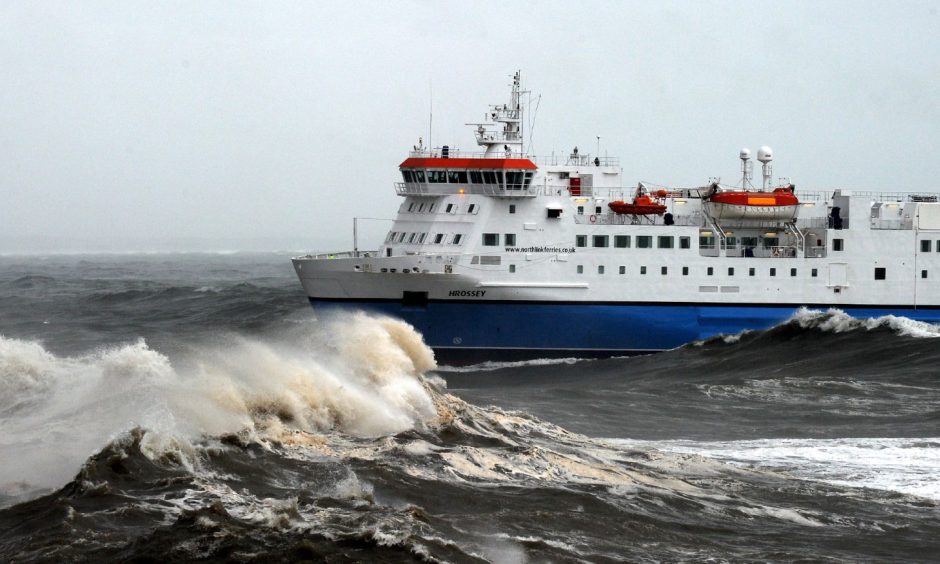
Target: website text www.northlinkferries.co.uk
{"points": [[540, 249]]}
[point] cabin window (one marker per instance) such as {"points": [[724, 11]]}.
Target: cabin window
{"points": [[623, 270], [710, 271], [644, 241], [663, 270], [391, 237], [431, 208], [437, 176], [837, 245], [642, 270], [923, 274], [457, 239], [600, 269], [472, 208], [600, 241], [509, 239], [580, 241], [450, 208], [421, 237], [731, 242], [411, 207], [751, 271], [925, 246], [490, 239], [938, 246], [439, 238], [512, 208], [476, 177], [731, 271], [685, 243], [598, 210], [512, 268], [580, 210], [880, 273], [665, 242], [706, 241], [411, 237], [419, 176], [401, 236], [420, 208], [771, 242], [622, 241], [685, 270], [553, 213], [408, 176], [773, 271], [489, 177], [749, 242], [792, 272], [580, 269], [814, 273]]}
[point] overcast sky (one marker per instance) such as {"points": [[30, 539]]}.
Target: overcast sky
{"points": [[269, 125]]}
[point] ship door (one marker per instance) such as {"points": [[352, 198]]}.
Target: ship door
{"points": [[838, 276]]}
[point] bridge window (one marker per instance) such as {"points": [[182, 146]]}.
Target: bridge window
{"points": [[476, 177], [457, 176], [837, 245], [600, 241], [419, 176], [880, 273], [490, 239], [580, 241], [489, 177], [408, 176], [644, 242], [665, 242], [622, 241], [437, 176], [925, 246], [514, 180], [509, 239]]}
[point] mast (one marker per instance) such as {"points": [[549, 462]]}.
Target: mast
{"points": [[504, 141]]}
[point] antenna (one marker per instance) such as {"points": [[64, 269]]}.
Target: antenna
{"points": [[430, 113], [765, 154], [747, 168]]}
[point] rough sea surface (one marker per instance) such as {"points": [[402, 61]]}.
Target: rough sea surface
{"points": [[190, 407]]}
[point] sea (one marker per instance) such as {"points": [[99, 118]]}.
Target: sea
{"points": [[193, 407]]}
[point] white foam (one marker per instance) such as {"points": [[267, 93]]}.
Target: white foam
{"points": [[904, 465], [489, 366], [57, 411], [837, 321]]}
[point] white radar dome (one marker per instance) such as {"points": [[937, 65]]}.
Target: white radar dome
{"points": [[765, 154], [745, 154]]}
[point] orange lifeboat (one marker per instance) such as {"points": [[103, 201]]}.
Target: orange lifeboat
{"points": [[642, 205], [743, 204]]}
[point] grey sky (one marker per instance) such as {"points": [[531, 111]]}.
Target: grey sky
{"points": [[264, 125]]}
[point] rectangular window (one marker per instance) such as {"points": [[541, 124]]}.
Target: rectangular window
{"points": [[406, 174], [665, 242], [600, 241], [685, 242], [923, 274], [512, 268], [711, 270], [391, 237], [880, 273], [597, 210], [490, 239], [580, 240], [580, 269], [644, 242], [411, 207], [814, 273], [457, 238], [476, 177], [623, 270], [792, 272], [938, 246], [751, 271], [580, 210], [837, 245], [419, 176], [512, 208], [773, 271], [600, 269], [472, 208], [509, 239], [925, 246], [420, 208], [663, 270], [411, 237], [452, 177], [437, 176], [489, 177], [622, 241], [421, 238], [730, 271], [450, 208], [553, 213], [642, 270], [685, 270], [438, 239], [401, 237], [431, 208]]}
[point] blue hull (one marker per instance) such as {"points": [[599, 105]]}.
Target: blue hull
{"points": [[573, 329]]}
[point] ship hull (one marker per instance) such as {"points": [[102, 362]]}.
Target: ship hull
{"points": [[467, 332]]}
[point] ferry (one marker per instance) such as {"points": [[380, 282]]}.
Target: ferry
{"points": [[497, 254]]}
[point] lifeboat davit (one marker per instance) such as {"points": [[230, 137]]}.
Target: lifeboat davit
{"points": [[743, 204], [642, 205]]}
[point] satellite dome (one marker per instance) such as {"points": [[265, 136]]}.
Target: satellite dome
{"points": [[745, 154], [765, 154]]}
